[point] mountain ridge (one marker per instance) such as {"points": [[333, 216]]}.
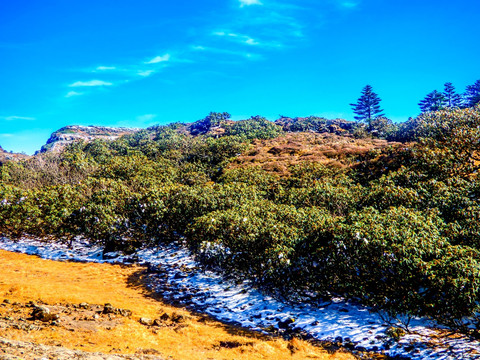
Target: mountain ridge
{"points": [[71, 133]]}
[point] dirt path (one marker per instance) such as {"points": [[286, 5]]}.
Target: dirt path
{"points": [[72, 298]]}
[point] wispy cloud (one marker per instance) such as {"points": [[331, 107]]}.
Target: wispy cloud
{"points": [[253, 34], [73, 93], [249, 2], [159, 59], [244, 39], [145, 73], [237, 53], [16, 118], [90, 83], [104, 68]]}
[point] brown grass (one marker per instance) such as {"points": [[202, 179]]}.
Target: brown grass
{"points": [[26, 278], [276, 155]]}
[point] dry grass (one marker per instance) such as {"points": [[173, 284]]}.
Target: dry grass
{"points": [[276, 155], [27, 278]]}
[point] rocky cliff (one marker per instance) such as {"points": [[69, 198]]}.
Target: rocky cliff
{"points": [[68, 134]]}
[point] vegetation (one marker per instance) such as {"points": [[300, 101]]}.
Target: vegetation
{"points": [[449, 99], [434, 101], [472, 94], [324, 212], [452, 99], [367, 107]]}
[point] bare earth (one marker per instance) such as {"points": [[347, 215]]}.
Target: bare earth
{"points": [[65, 310]]}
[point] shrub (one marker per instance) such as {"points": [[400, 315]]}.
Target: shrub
{"points": [[256, 127]]}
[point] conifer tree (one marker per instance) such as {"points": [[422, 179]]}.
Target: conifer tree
{"points": [[472, 94], [434, 101], [452, 99], [367, 106]]}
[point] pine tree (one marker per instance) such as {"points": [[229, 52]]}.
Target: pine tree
{"points": [[367, 107], [434, 101], [452, 99], [472, 94]]}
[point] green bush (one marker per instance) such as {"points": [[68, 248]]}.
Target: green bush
{"points": [[256, 127]]}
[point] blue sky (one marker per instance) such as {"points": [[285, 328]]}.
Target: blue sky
{"points": [[144, 62]]}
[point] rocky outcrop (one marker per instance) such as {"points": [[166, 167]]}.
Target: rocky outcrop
{"points": [[6, 156], [81, 317], [69, 134]]}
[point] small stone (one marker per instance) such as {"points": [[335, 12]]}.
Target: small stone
{"points": [[7, 301], [83, 305], [42, 313], [146, 321], [125, 312], [178, 318], [108, 309], [165, 317]]}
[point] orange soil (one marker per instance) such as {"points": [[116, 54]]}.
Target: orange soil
{"points": [[25, 278]]}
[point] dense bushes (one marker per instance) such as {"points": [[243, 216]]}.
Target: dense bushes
{"points": [[399, 261], [398, 230], [256, 127], [39, 212]]}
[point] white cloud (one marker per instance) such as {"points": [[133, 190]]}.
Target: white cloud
{"points": [[227, 52], [145, 73], [90, 83], [158, 59], [6, 135], [249, 2], [73, 93], [102, 68], [244, 39], [13, 118], [251, 41]]}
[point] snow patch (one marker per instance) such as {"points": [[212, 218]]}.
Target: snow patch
{"points": [[177, 276]]}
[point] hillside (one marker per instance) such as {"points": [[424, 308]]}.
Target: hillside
{"points": [[307, 208], [214, 125], [68, 134]]}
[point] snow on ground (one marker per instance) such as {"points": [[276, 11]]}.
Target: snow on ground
{"points": [[175, 274]]}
